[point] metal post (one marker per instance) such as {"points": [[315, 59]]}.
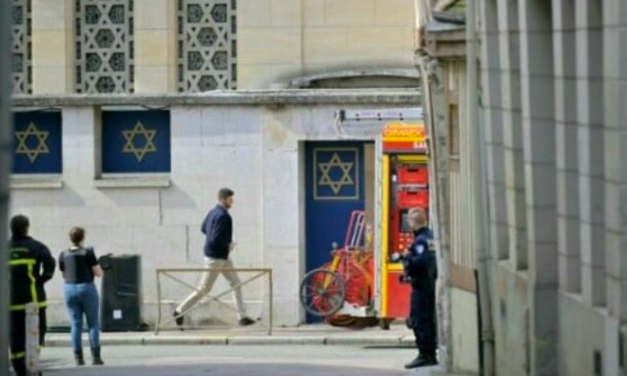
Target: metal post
{"points": [[32, 339], [271, 297], [6, 132], [480, 187], [158, 303]]}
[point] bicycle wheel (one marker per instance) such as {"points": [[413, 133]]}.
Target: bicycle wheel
{"points": [[322, 292]]}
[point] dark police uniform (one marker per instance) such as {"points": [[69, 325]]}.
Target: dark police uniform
{"points": [[26, 260], [420, 264]]}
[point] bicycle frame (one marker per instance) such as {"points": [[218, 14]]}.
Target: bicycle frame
{"points": [[354, 239]]}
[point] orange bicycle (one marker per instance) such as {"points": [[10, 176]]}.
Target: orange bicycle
{"points": [[346, 279]]}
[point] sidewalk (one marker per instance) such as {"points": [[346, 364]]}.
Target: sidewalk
{"points": [[304, 335]]}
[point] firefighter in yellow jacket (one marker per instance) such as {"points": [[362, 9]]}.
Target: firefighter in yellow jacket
{"points": [[31, 266]]}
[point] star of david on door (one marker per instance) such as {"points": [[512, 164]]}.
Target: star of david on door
{"points": [[135, 136], [336, 174], [32, 150]]}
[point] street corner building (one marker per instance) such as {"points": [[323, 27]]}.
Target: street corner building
{"points": [[542, 111], [130, 115]]}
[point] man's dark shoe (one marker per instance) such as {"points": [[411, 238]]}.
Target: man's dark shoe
{"points": [[245, 321], [179, 319], [422, 361]]}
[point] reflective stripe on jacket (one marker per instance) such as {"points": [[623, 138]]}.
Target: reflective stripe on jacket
{"points": [[31, 266]]}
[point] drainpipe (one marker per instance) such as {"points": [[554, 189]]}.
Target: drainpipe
{"points": [[477, 132], [6, 132], [439, 204], [434, 108]]}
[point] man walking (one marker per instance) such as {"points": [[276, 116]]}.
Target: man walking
{"points": [[218, 229], [26, 260]]}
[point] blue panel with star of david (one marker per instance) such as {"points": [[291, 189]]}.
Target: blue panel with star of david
{"points": [[336, 173], [37, 145], [335, 181], [135, 142]]}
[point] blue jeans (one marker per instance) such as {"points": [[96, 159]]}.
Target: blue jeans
{"points": [[82, 299]]}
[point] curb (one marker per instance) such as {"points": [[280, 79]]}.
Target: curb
{"points": [[165, 340], [304, 340]]}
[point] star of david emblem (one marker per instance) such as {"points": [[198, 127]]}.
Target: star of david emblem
{"points": [[130, 147], [23, 148], [336, 185]]}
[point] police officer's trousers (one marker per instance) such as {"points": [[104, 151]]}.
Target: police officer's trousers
{"points": [[423, 321]]}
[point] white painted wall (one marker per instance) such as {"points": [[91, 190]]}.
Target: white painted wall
{"points": [[583, 331], [255, 150], [464, 328]]}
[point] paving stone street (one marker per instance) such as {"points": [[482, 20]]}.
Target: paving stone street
{"points": [[253, 360]]}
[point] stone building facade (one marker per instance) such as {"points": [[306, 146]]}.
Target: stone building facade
{"points": [[259, 144], [551, 73], [551, 101], [550, 104], [167, 46], [131, 114]]}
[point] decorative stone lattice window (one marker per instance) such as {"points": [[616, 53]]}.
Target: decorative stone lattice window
{"points": [[207, 45], [22, 48], [104, 46]]}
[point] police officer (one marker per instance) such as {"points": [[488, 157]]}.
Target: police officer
{"points": [[31, 266], [420, 266]]}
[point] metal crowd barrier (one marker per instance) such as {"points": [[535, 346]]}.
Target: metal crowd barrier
{"points": [[169, 274]]}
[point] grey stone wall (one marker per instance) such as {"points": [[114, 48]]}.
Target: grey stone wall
{"points": [[554, 112]]}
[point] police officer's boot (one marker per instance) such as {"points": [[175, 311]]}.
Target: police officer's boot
{"points": [[422, 361], [78, 357], [95, 355]]}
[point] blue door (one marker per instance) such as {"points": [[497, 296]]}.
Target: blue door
{"points": [[335, 188]]}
